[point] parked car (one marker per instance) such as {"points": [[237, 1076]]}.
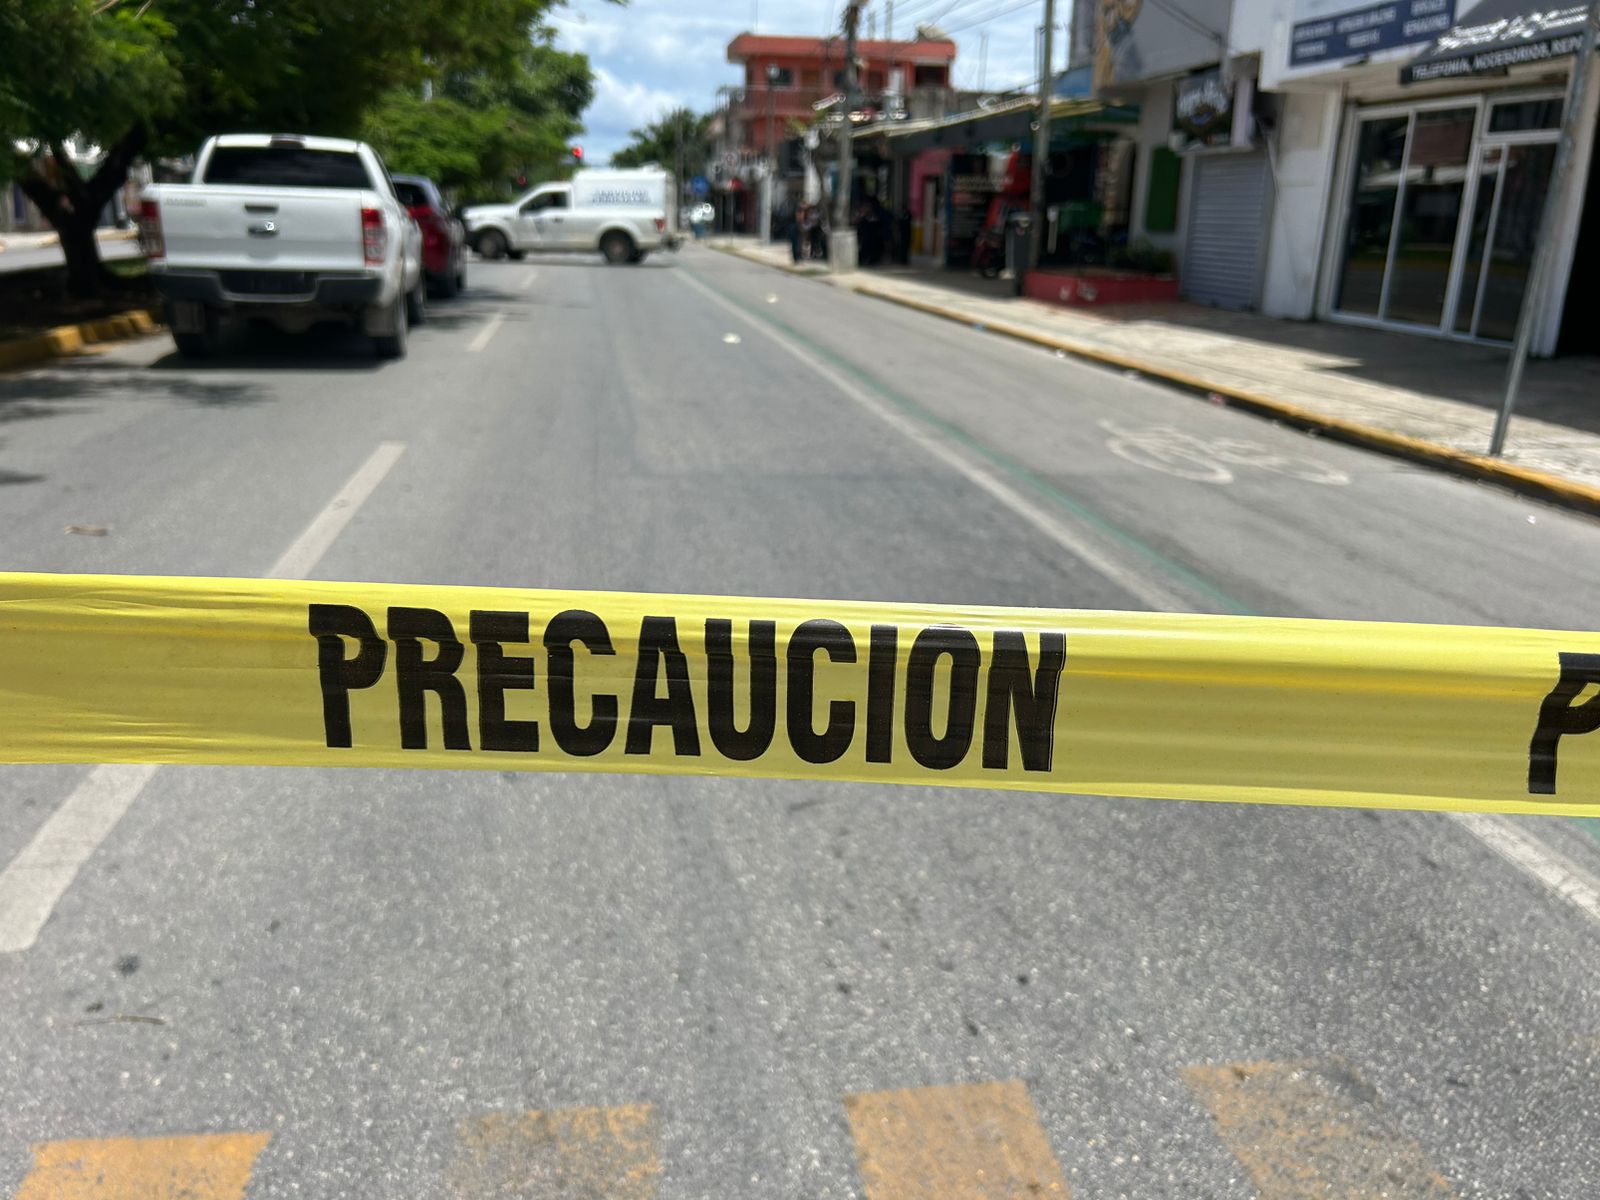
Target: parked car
{"points": [[292, 229], [625, 215], [444, 237]]}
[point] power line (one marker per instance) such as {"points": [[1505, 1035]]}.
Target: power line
{"points": [[992, 15]]}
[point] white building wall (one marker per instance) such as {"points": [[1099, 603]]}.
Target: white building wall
{"points": [[1155, 127], [1304, 153]]}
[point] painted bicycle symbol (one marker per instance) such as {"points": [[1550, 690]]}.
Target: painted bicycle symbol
{"points": [[1210, 460]]}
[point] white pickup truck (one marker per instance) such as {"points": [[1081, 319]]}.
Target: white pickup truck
{"points": [[287, 228], [623, 214]]}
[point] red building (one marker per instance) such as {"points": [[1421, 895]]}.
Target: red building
{"points": [[785, 77]]}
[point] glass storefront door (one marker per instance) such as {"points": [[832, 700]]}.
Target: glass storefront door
{"points": [[1444, 205], [1524, 180]]}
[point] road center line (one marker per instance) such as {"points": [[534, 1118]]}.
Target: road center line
{"points": [[487, 332], [40, 874], [1146, 590]]}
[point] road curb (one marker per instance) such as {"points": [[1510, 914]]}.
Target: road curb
{"points": [[790, 268], [1525, 480], [66, 340]]}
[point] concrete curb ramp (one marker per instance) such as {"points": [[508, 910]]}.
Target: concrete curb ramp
{"points": [[1528, 482], [66, 340]]}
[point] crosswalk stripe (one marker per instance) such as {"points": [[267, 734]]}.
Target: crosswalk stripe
{"points": [[967, 1141], [1312, 1129], [202, 1167], [559, 1155]]}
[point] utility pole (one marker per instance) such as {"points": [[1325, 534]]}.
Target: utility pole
{"points": [[842, 237], [768, 184], [679, 140], [1041, 137], [1543, 250], [983, 59]]}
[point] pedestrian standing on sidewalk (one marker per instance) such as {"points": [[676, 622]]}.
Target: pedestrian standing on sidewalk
{"points": [[792, 227], [811, 230]]}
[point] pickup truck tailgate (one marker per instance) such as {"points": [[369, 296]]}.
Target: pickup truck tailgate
{"points": [[301, 229]]}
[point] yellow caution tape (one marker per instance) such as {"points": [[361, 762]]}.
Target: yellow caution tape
{"points": [[127, 669]]}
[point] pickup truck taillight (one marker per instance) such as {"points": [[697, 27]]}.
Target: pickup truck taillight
{"points": [[374, 237], [150, 230], [661, 224]]}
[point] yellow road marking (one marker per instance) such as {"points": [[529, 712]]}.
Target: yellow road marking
{"points": [[967, 1141], [565, 1154], [1313, 1129], [202, 1167]]}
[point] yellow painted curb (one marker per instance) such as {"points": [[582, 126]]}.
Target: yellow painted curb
{"points": [[761, 260], [65, 340], [1474, 466]]}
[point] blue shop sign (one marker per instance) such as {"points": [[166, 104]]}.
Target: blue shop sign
{"points": [[1358, 32]]}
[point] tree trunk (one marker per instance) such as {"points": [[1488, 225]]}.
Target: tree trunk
{"points": [[73, 208], [87, 278]]}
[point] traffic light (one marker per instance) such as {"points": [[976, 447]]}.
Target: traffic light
{"points": [[577, 155]]}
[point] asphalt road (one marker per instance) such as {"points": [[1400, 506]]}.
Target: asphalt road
{"points": [[381, 984], [25, 258]]}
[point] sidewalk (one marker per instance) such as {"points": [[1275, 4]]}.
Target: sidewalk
{"points": [[38, 241], [1421, 397]]}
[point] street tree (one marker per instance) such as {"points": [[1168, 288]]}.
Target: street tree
{"points": [[153, 78], [678, 137], [479, 130]]}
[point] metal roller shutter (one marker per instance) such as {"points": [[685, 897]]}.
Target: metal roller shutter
{"points": [[1227, 225]]}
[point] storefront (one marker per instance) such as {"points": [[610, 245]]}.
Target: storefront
{"points": [[945, 175], [1230, 194], [1444, 200], [1430, 129]]}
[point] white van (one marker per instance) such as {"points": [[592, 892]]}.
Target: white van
{"points": [[623, 214]]}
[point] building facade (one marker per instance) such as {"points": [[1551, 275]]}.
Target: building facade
{"points": [[1421, 135], [761, 121], [1379, 164]]}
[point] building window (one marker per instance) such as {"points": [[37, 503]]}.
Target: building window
{"points": [[777, 76], [1518, 115], [1443, 206], [929, 77]]}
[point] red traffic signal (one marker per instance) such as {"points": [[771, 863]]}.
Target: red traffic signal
{"points": [[577, 154]]}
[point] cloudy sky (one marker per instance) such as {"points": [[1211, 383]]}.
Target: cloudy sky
{"points": [[654, 55]]}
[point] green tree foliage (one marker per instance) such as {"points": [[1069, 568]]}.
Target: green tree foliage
{"points": [[659, 142], [483, 129], [156, 76]]}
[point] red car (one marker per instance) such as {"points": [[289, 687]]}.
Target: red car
{"points": [[444, 239]]}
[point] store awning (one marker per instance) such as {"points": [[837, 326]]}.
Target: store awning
{"points": [[1008, 122], [1497, 35]]}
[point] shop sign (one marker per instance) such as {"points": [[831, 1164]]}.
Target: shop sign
{"points": [[1333, 36], [1203, 111], [1498, 39]]}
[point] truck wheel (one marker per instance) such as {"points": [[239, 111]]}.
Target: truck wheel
{"points": [[617, 247], [393, 345], [493, 244], [448, 285], [196, 343], [417, 304]]}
